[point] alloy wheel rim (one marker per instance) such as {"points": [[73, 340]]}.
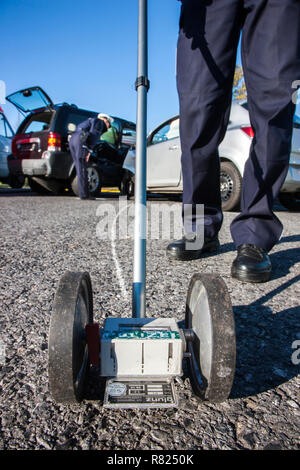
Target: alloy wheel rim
{"points": [[226, 186], [93, 179]]}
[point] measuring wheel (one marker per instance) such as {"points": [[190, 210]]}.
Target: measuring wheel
{"points": [[68, 352], [211, 344]]}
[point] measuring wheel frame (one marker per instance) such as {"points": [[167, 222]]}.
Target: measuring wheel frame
{"points": [[212, 345], [141, 357], [68, 352]]}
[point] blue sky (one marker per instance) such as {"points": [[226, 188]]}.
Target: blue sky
{"points": [[85, 53]]}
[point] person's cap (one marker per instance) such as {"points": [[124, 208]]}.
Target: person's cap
{"points": [[106, 116]]}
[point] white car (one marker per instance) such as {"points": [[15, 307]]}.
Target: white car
{"points": [[164, 160]]}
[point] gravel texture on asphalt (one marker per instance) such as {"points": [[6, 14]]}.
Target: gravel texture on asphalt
{"points": [[42, 237]]}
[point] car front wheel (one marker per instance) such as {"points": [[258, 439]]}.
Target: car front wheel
{"points": [[230, 185], [127, 185], [95, 181]]}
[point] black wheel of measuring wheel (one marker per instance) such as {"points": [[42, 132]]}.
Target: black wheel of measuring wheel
{"points": [[212, 350], [68, 353]]}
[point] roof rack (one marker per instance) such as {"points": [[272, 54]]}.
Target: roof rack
{"points": [[66, 104]]}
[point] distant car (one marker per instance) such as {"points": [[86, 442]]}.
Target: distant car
{"points": [[6, 135], [40, 149], [106, 162], [164, 160]]}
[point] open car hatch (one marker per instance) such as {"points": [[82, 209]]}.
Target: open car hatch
{"points": [[30, 99]]}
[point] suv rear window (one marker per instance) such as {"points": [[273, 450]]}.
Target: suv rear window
{"points": [[76, 118], [37, 122]]}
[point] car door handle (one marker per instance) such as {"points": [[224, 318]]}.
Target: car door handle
{"points": [[174, 147]]}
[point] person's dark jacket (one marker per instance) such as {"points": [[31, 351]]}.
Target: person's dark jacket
{"points": [[90, 130]]}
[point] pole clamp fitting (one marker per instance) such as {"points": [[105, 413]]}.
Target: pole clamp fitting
{"points": [[142, 81]]}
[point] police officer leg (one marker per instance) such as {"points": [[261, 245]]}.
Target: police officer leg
{"points": [[78, 155], [84, 192], [206, 57], [271, 47]]}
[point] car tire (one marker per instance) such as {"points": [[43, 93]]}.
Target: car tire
{"points": [[74, 185], [290, 201], [230, 185], [95, 181], [127, 185], [16, 181]]}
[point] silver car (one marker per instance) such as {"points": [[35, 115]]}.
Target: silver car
{"points": [[164, 160], [6, 135]]}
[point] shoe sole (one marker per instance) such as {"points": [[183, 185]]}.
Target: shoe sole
{"points": [[245, 276], [189, 255]]}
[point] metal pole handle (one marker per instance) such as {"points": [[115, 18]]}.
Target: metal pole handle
{"points": [[142, 86]]}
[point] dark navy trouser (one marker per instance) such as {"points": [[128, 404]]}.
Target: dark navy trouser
{"points": [[87, 133], [206, 58], [79, 154]]}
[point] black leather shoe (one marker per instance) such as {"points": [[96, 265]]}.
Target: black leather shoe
{"points": [[183, 249], [252, 264]]}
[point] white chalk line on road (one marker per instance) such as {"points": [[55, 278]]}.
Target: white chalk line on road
{"points": [[119, 272]]}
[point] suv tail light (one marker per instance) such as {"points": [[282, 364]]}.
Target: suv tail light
{"points": [[54, 142], [248, 130]]}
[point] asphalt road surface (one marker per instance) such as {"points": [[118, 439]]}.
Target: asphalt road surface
{"points": [[42, 237]]}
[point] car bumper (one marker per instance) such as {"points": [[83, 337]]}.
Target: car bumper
{"points": [[34, 167], [54, 165]]}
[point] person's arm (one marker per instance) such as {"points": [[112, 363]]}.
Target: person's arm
{"points": [[98, 127], [85, 125]]}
